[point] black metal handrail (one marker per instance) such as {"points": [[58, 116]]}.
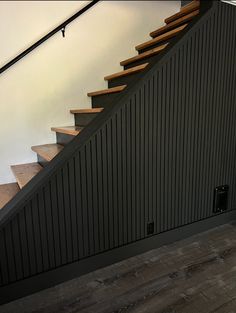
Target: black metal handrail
{"points": [[59, 28]]}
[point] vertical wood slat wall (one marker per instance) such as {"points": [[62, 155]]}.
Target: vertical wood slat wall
{"points": [[157, 159]]}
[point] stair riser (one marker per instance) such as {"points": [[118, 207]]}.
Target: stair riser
{"points": [[83, 119], [124, 80], [104, 100], [42, 161], [63, 139]]}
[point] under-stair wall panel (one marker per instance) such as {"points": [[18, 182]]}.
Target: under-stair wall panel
{"points": [[156, 159]]}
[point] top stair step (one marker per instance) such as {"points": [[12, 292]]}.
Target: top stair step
{"points": [[174, 24], [7, 192], [130, 71], [188, 5], [194, 5], [161, 38], [107, 91], [25, 172], [49, 151]]}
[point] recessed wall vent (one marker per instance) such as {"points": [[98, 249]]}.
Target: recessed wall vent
{"points": [[221, 199], [150, 228]]}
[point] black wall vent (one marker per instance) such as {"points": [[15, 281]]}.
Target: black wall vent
{"points": [[221, 199], [150, 228]]}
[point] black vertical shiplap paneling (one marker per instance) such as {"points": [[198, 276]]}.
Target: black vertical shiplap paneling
{"points": [[78, 195], [156, 159], [73, 214], [4, 266], [51, 204], [24, 244], [67, 209], [43, 231], [17, 249]]}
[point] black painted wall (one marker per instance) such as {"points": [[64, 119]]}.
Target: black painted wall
{"points": [[156, 156]]}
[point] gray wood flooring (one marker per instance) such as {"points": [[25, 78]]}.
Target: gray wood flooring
{"points": [[196, 275]]}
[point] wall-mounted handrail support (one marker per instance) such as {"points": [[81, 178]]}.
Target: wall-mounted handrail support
{"points": [[59, 28]]}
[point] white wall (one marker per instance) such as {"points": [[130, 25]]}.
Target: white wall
{"points": [[39, 91]]}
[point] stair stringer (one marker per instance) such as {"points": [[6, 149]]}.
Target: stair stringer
{"points": [[155, 157]]}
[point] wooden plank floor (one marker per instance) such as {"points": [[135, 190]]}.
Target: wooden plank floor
{"points": [[196, 275]]}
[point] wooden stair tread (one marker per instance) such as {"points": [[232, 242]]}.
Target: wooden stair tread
{"points": [[48, 151], [194, 5], [161, 38], [68, 130], [25, 172], [186, 6], [174, 24], [133, 70], [107, 91], [81, 111], [7, 192], [144, 55]]}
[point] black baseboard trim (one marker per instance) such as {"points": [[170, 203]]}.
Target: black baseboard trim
{"points": [[70, 271]]}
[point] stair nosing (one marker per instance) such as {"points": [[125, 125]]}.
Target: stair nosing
{"points": [[107, 91], [144, 55], [183, 20], [183, 12], [172, 33], [130, 71], [63, 130], [44, 155], [186, 6], [86, 111], [17, 175]]}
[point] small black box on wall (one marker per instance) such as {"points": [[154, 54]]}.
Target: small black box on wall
{"points": [[221, 199], [150, 228]]}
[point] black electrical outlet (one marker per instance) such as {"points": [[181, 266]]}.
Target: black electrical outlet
{"points": [[221, 199], [150, 228]]}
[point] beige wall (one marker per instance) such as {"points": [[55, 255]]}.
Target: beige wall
{"points": [[38, 92]]}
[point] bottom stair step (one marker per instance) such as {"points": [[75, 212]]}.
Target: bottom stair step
{"points": [[48, 152], [7, 192], [25, 172]]}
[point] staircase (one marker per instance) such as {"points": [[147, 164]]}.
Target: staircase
{"points": [[134, 67], [140, 169]]}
